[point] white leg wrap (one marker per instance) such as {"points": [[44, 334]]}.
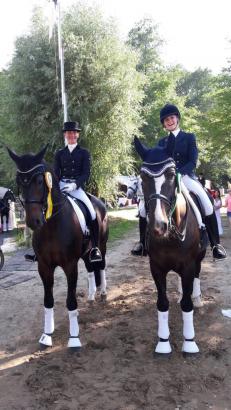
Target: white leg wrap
{"points": [[196, 295], [49, 325], [103, 286], [74, 329], [91, 286], [163, 329], [188, 328], [163, 333], [196, 288], [188, 332], [74, 326]]}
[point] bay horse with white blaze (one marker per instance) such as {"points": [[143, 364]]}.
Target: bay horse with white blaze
{"points": [[173, 239], [58, 239]]}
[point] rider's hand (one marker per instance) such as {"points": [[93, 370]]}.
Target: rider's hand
{"points": [[69, 187]]}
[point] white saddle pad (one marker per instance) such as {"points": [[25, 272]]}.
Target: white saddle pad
{"points": [[80, 216]]}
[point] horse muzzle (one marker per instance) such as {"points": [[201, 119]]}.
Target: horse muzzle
{"points": [[160, 229], [35, 220]]}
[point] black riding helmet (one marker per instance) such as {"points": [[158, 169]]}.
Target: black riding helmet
{"points": [[167, 110]]}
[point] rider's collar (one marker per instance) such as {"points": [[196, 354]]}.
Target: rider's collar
{"points": [[71, 147], [176, 132]]}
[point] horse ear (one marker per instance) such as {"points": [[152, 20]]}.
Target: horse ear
{"points": [[41, 154], [140, 148], [171, 145], [13, 155]]}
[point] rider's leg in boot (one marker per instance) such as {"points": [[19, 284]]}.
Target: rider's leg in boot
{"points": [[213, 234], [30, 257], [95, 254], [140, 248]]}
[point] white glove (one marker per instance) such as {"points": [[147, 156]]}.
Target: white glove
{"points": [[69, 187]]}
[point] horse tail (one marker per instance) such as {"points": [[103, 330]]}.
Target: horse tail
{"points": [[97, 277]]}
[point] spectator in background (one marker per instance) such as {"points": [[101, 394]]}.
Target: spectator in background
{"points": [[228, 206], [217, 207], [201, 179]]}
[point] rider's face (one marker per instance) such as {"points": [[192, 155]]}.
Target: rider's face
{"points": [[71, 137], [171, 122]]}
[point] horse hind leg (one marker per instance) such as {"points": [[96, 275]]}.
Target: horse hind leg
{"points": [[97, 281], [196, 294], [91, 287], [103, 285]]}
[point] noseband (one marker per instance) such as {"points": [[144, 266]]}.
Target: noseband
{"points": [[161, 197]]}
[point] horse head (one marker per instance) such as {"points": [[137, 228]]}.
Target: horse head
{"points": [[158, 173], [32, 181], [132, 187], [159, 195]]}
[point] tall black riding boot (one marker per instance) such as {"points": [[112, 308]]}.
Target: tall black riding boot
{"points": [[140, 248], [95, 254], [213, 234]]}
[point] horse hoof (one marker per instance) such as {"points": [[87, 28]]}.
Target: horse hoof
{"points": [[45, 341], [103, 297], [189, 346], [90, 301], [197, 302], [163, 348], [74, 343]]}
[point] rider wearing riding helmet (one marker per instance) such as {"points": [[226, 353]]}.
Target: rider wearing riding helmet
{"points": [[72, 167], [185, 156]]}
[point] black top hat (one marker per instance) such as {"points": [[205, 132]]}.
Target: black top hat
{"points": [[71, 126]]}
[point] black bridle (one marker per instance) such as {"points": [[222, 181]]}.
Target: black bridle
{"points": [[24, 178], [172, 228]]}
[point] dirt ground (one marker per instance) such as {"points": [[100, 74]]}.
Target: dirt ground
{"points": [[116, 368]]}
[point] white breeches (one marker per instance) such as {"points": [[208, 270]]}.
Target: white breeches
{"points": [[195, 187], [80, 194]]}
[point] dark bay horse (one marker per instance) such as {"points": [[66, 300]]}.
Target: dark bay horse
{"points": [[58, 239], [173, 240]]}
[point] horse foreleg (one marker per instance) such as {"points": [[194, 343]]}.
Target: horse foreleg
{"points": [[189, 345], [71, 303], [163, 346], [47, 276]]}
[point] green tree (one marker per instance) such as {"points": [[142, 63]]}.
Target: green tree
{"points": [[103, 87], [144, 39], [195, 86]]}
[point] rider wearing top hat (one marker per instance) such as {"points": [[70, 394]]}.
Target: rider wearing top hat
{"points": [[185, 156], [72, 168]]}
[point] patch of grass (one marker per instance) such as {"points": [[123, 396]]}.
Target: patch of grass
{"points": [[119, 227]]}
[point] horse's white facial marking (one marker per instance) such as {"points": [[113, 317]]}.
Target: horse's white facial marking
{"points": [[159, 181]]}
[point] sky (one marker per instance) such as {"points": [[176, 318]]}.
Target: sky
{"points": [[196, 32]]}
